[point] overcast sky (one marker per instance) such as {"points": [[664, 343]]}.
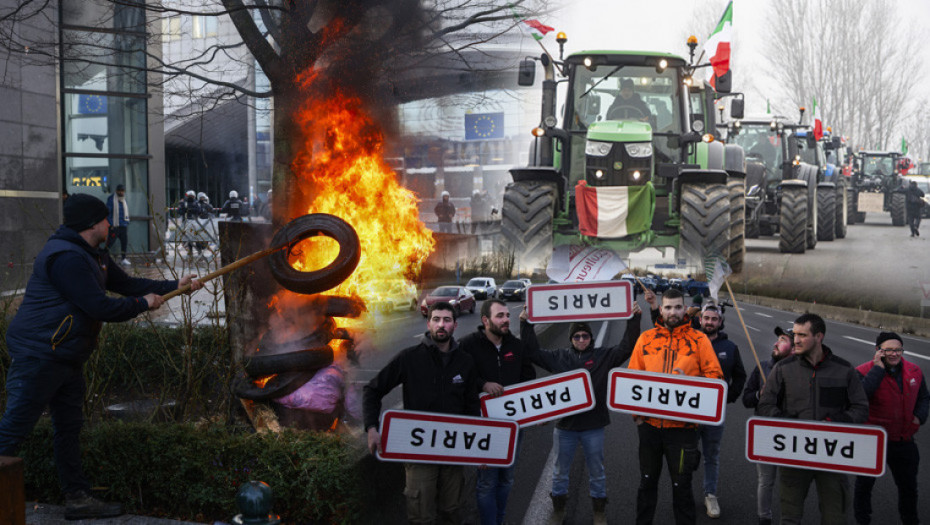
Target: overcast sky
{"points": [[662, 25]]}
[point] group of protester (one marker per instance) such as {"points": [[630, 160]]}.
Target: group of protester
{"points": [[803, 379]]}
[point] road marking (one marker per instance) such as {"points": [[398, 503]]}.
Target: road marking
{"points": [[912, 354], [763, 315], [753, 328], [540, 508], [870, 343]]}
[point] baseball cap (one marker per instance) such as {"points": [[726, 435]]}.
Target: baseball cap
{"points": [[779, 331]]}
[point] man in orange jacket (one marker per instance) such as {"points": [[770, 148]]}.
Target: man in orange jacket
{"points": [[672, 347]]}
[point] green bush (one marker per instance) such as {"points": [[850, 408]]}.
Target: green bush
{"points": [[179, 471]]}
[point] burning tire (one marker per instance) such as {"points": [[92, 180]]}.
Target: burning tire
{"points": [[309, 359], [826, 212], [278, 386], [526, 219], [705, 220], [793, 220], [325, 278], [897, 209], [842, 207], [736, 185]]}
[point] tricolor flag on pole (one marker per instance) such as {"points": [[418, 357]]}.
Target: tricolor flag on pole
{"points": [[613, 211], [716, 270], [717, 47], [538, 29]]}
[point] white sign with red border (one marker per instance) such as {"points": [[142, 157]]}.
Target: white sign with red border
{"points": [[587, 301], [426, 437], [534, 402], [834, 447], [668, 396]]}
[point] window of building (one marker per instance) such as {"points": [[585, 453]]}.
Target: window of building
{"points": [[204, 26]]}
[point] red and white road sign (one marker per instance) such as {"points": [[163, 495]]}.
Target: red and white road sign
{"points": [[426, 437], [834, 447], [669, 396], [534, 402], [594, 301]]}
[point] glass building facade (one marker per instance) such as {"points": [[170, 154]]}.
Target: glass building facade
{"points": [[104, 105]]}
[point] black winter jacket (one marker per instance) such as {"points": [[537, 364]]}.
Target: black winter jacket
{"points": [[732, 365], [66, 300], [508, 366], [597, 361], [429, 385]]}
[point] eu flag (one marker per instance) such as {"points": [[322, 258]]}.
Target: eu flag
{"points": [[92, 105], [481, 126]]}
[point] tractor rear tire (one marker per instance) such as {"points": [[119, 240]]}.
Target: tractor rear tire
{"points": [[842, 207], [526, 220], [793, 220], [705, 221], [736, 185], [826, 214], [852, 205], [897, 209]]}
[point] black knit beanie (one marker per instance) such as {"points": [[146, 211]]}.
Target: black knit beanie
{"points": [[579, 327], [83, 211], [885, 336]]}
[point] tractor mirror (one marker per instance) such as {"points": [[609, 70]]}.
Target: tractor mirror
{"points": [[837, 143], [527, 72], [736, 108], [724, 83], [811, 141]]}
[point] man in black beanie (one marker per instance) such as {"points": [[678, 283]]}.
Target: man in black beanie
{"points": [[585, 429], [899, 402], [54, 332]]}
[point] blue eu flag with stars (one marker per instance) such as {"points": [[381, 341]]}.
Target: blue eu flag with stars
{"points": [[479, 126], [92, 105]]}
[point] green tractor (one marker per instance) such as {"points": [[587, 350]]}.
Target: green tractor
{"points": [[879, 171], [632, 165]]}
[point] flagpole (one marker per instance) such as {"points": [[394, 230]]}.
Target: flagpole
{"points": [[546, 51], [740, 314]]}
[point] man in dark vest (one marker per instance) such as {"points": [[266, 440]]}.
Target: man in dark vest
{"points": [[55, 331], [899, 402]]}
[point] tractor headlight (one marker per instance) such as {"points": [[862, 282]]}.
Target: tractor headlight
{"points": [[597, 149], [639, 150]]}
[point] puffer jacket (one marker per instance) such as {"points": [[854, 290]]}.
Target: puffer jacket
{"points": [[682, 351]]}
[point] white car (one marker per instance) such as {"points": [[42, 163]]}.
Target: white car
{"points": [[482, 287]]}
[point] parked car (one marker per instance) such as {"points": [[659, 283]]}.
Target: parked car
{"points": [[482, 287], [694, 287], [637, 289], [661, 284], [676, 283], [649, 282], [396, 294], [458, 296], [512, 290]]}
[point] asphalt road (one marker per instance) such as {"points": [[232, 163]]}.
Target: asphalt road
{"points": [[529, 502]]}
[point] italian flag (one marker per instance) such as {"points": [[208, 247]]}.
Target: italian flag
{"points": [[538, 29], [613, 211], [717, 46]]}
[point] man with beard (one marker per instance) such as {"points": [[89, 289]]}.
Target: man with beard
{"points": [[899, 402], [501, 361], [437, 376], [735, 376], [586, 428], [766, 473], [813, 384], [674, 347]]}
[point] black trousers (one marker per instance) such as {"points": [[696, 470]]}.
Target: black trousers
{"points": [[903, 460], [121, 233], [678, 447]]}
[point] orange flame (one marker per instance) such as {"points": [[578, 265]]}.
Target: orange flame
{"points": [[341, 168]]}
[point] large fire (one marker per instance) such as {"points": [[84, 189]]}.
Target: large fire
{"points": [[341, 167]]}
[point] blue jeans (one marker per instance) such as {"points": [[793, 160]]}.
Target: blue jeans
{"points": [[32, 385], [710, 445], [592, 442], [493, 489]]}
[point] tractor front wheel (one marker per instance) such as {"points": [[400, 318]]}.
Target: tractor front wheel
{"points": [[793, 220], [897, 209], [526, 220], [705, 220], [826, 213], [736, 185], [842, 208]]}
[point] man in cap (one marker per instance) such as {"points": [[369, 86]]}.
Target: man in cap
{"points": [[813, 384], [766, 473], [445, 210], [501, 361], [54, 333], [119, 221], [735, 376], [628, 105], [657, 350], [437, 376], [899, 402], [587, 428]]}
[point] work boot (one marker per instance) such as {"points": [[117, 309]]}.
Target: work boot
{"points": [[81, 505], [600, 515], [558, 509], [713, 507]]}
